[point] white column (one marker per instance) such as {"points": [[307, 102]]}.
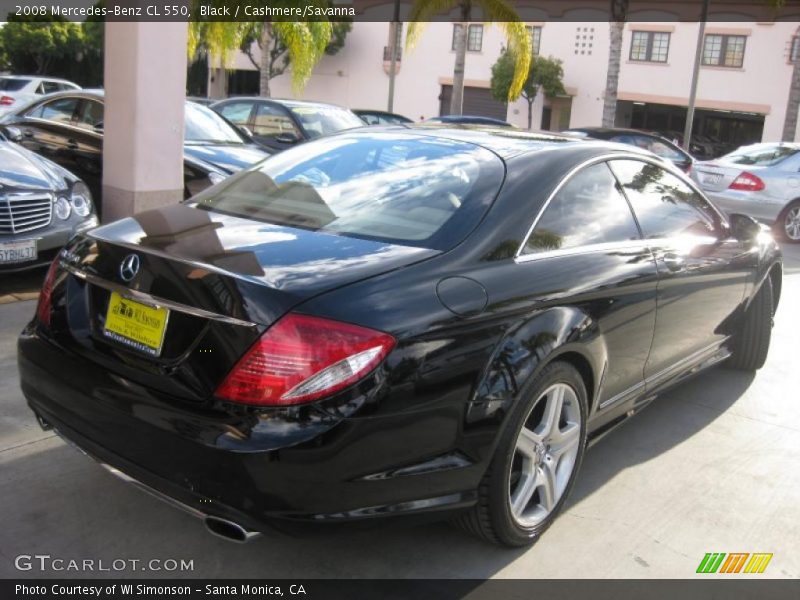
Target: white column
{"points": [[145, 89]]}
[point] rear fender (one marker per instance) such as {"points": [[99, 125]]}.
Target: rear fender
{"points": [[527, 348]]}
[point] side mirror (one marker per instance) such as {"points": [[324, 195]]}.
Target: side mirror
{"points": [[13, 134], [245, 130], [287, 137], [744, 227]]}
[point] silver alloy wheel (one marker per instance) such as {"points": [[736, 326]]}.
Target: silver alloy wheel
{"points": [[545, 455], [791, 223]]}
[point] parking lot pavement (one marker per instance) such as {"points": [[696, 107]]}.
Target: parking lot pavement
{"points": [[709, 467]]}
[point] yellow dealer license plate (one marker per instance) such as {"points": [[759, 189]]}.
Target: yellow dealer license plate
{"points": [[137, 325]]}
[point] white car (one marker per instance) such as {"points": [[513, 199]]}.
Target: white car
{"points": [[16, 90], [761, 180]]}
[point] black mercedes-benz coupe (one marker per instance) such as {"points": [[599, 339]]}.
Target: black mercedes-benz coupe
{"points": [[400, 321]]}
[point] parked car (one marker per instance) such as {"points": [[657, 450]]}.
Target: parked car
{"points": [[429, 322], [380, 117], [41, 207], [17, 90], [699, 149], [760, 180], [68, 128], [469, 120], [201, 100], [280, 124], [641, 139]]}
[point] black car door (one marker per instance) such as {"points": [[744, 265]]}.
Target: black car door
{"points": [[86, 142], [702, 269], [586, 251], [274, 127], [47, 128]]}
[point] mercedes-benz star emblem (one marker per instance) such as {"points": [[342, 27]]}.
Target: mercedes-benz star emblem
{"points": [[129, 267]]}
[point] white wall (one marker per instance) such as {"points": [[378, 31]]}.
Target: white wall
{"points": [[355, 77]]}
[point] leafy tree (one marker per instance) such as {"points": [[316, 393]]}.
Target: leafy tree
{"points": [[36, 44], [301, 44], [545, 73], [279, 58], [500, 12]]}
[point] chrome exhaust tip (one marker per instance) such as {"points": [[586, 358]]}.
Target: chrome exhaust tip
{"points": [[228, 530], [43, 423]]}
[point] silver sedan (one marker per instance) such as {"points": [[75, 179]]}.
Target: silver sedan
{"points": [[760, 180]]}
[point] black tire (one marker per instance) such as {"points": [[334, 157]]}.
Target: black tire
{"points": [[779, 228], [751, 344], [491, 519]]}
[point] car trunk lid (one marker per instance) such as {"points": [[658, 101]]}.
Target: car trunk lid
{"points": [[222, 281]]}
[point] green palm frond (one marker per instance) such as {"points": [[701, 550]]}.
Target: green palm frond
{"points": [[305, 43], [503, 14], [421, 13]]}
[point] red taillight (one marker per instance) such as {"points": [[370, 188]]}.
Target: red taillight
{"points": [[302, 358], [46, 295], [747, 182], [6, 100]]}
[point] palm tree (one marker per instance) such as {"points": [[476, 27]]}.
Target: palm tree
{"points": [[793, 102], [498, 11], [305, 43], [619, 12]]}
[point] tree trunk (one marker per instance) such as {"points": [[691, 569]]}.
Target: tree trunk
{"points": [[612, 75], [530, 112], [264, 72], [457, 98], [792, 106]]}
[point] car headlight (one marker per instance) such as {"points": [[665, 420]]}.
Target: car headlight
{"points": [[62, 208], [215, 177], [81, 199]]}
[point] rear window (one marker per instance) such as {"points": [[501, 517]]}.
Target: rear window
{"points": [[763, 155], [398, 188], [12, 84]]}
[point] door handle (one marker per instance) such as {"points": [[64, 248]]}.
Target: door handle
{"points": [[72, 144], [27, 133], [674, 262]]}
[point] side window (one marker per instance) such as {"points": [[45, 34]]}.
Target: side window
{"points": [[58, 111], [271, 121], [48, 87], [588, 209], [664, 205], [237, 113], [91, 115], [371, 119]]}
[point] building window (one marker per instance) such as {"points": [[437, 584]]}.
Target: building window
{"points": [[474, 37], [536, 37], [724, 50], [650, 46]]}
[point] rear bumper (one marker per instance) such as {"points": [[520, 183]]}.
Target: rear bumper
{"points": [[250, 467]]}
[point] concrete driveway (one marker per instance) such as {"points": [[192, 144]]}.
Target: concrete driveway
{"points": [[710, 467]]}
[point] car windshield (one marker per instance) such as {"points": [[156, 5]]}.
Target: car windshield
{"points": [[761, 154], [12, 84], [203, 125], [319, 120], [398, 188]]}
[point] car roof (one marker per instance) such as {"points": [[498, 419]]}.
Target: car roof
{"points": [[39, 77], [612, 131], [284, 101], [504, 142]]}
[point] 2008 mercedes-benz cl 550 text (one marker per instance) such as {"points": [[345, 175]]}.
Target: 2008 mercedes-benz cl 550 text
{"points": [[404, 321]]}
